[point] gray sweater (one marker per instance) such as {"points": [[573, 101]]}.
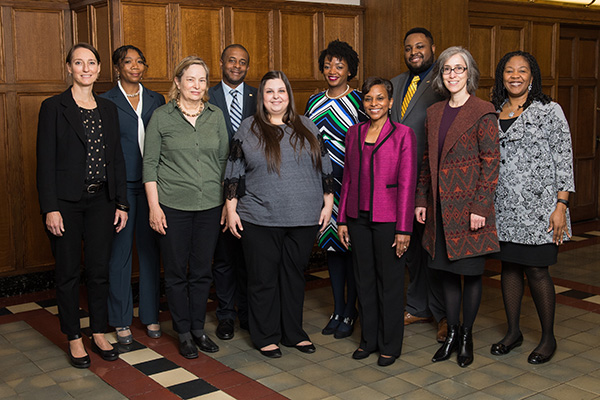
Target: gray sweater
{"points": [[294, 197]]}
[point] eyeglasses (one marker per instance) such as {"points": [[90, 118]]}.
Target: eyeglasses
{"points": [[458, 70]]}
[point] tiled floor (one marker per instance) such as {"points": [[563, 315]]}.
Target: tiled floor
{"points": [[33, 363]]}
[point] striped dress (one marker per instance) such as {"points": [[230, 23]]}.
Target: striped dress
{"points": [[333, 117]]}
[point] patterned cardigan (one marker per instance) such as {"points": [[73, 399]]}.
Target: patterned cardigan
{"points": [[466, 179], [537, 163]]}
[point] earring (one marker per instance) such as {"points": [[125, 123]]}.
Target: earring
{"points": [[118, 76], [529, 87]]}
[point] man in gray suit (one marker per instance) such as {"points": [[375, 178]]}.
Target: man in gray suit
{"points": [[237, 100], [413, 94]]}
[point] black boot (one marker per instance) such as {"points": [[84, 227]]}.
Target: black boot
{"points": [[465, 350], [449, 346]]}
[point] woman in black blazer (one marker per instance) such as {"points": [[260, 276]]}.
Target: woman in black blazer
{"points": [[135, 105], [83, 196]]}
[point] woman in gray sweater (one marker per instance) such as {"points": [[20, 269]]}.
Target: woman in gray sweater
{"points": [[279, 191]]}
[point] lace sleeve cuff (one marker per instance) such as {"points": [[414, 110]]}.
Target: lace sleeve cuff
{"points": [[234, 188], [328, 183]]}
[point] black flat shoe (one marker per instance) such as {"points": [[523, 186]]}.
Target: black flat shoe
{"points": [[499, 349], [188, 350], [332, 325], [275, 353], [537, 358], [225, 329], [306, 348], [107, 355], [79, 362], [206, 344], [345, 328], [360, 354], [450, 345], [385, 361]]}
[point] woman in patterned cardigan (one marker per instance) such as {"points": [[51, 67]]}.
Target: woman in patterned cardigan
{"points": [[455, 193], [536, 176]]}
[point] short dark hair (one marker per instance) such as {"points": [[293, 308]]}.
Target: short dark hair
{"points": [[234, 46], [499, 94], [419, 30], [119, 54], [82, 45], [375, 80], [341, 51]]}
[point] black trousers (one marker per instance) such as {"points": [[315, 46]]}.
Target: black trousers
{"points": [[276, 258], [187, 251], [379, 277], [91, 220], [230, 278]]}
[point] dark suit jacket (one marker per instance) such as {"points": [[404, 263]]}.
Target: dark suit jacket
{"points": [[61, 152], [465, 175], [393, 175], [128, 121], [417, 109], [217, 97]]}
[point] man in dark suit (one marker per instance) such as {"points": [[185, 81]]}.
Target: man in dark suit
{"points": [[237, 100], [413, 94]]}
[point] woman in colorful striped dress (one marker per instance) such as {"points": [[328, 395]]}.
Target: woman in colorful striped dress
{"points": [[334, 111]]}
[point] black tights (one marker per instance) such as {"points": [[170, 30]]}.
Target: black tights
{"points": [[454, 295], [542, 291]]}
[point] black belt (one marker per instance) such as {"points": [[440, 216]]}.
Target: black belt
{"points": [[94, 187]]}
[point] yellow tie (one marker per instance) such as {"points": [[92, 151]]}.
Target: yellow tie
{"points": [[412, 88]]}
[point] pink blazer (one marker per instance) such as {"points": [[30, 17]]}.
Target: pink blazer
{"points": [[393, 175]]}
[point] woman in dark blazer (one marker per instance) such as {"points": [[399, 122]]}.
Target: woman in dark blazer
{"points": [[455, 193], [83, 195], [135, 105], [376, 213]]}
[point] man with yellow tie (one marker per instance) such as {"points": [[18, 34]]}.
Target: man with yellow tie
{"points": [[413, 94]]}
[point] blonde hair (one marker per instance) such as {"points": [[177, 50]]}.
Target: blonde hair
{"points": [[180, 70]]}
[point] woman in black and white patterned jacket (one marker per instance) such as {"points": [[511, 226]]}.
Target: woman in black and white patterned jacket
{"points": [[536, 176]]}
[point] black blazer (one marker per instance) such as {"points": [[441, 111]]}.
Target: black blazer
{"points": [[128, 121], [217, 97], [61, 152]]}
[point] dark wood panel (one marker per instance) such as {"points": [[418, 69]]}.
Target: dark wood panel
{"points": [[583, 140], [2, 48], [543, 40], [82, 27], [510, 38], [37, 245], [565, 64], [588, 50], [39, 51], [298, 45], [585, 196], [7, 249], [150, 36], [254, 30], [103, 41], [202, 35], [482, 47], [344, 28]]}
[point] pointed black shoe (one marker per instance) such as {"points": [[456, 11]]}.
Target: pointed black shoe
{"points": [[499, 349], [450, 345], [332, 325], [465, 347], [107, 355]]}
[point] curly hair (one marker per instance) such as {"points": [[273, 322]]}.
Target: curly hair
{"points": [[341, 51], [499, 93]]}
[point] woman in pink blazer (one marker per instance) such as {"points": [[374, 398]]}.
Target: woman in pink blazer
{"points": [[376, 214]]}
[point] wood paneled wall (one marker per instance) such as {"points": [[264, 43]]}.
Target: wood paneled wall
{"points": [[33, 38], [36, 34]]}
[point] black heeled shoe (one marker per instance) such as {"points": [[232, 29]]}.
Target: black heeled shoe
{"points": [[332, 325], [78, 362], [499, 349], [465, 347], [450, 345], [107, 355]]}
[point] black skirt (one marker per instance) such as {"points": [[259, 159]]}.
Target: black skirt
{"points": [[465, 266], [531, 255]]}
